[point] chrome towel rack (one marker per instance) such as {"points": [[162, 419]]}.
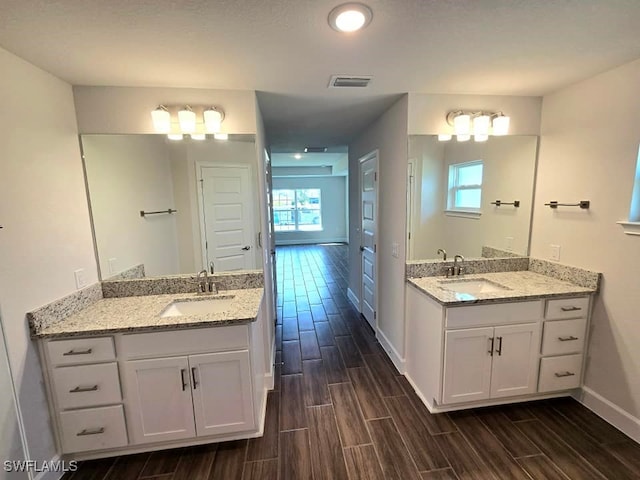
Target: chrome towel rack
{"points": [[584, 204], [144, 214], [515, 203]]}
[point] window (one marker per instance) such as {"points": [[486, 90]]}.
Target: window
{"points": [[632, 227], [297, 210], [465, 187]]}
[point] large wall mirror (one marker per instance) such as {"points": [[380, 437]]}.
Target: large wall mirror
{"points": [[199, 200], [453, 192]]}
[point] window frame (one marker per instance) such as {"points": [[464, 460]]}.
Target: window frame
{"points": [[453, 187], [297, 210]]}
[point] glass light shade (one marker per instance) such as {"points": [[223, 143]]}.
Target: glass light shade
{"points": [[501, 125], [350, 21], [480, 138], [481, 125], [187, 120], [350, 17], [462, 125], [463, 138], [221, 136], [444, 137], [198, 136], [161, 119], [213, 120], [175, 136]]}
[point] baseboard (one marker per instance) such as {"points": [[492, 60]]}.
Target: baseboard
{"points": [[610, 412], [419, 393], [355, 301], [395, 357], [310, 241]]}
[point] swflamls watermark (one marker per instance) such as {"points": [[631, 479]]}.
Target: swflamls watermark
{"points": [[35, 466]]}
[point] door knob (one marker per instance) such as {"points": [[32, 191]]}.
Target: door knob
{"points": [[246, 247], [361, 248]]}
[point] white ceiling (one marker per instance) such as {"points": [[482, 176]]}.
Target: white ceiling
{"points": [[286, 48]]}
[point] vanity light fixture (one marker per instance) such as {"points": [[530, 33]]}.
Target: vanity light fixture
{"points": [[444, 137], [198, 136], [161, 119], [479, 124], [213, 118], [175, 136], [187, 120], [221, 136], [350, 17]]}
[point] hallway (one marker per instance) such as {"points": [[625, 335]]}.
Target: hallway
{"points": [[340, 410]]}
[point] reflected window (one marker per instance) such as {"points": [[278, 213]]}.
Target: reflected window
{"points": [[634, 210], [465, 186], [298, 210]]}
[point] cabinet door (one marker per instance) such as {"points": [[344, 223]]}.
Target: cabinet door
{"points": [[515, 360], [158, 399], [467, 365], [222, 393]]}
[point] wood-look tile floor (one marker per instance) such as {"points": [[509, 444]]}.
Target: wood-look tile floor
{"points": [[340, 410]]}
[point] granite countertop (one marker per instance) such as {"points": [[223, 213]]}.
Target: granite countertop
{"points": [[520, 286], [129, 314]]}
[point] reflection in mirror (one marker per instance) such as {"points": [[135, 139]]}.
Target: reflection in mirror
{"points": [[210, 186], [452, 189]]}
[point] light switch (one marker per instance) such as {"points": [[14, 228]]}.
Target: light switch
{"points": [[81, 280], [394, 249], [554, 252], [113, 265]]}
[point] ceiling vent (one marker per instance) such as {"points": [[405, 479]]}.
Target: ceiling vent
{"points": [[349, 81], [315, 149]]}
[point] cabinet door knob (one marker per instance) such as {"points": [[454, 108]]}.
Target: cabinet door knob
{"points": [[564, 374], [95, 431], [570, 309], [492, 340], [184, 383], [499, 350], [88, 351], [193, 376], [84, 389]]}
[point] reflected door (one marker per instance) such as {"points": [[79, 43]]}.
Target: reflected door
{"points": [[228, 218], [368, 235]]}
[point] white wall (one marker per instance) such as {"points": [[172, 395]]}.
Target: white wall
{"points": [[388, 134], [333, 207], [128, 109], [46, 234], [588, 151], [126, 174]]}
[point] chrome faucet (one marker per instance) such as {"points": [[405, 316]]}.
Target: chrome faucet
{"points": [[457, 269], [203, 284], [443, 252], [212, 267]]}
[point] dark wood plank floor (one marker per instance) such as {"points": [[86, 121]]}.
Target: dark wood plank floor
{"points": [[340, 410]]}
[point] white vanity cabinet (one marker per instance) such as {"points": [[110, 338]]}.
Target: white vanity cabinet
{"points": [[486, 354], [191, 395]]}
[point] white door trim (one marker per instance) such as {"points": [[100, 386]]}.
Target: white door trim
{"points": [[361, 160]]}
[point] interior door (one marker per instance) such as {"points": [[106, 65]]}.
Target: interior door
{"points": [[515, 360], [159, 406], [270, 242], [222, 398], [228, 217], [368, 235]]}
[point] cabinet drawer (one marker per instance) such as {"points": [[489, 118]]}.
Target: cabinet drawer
{"points": [[81, 350], [567, 308], [87, 385], [180, 342], [563, 336], [93, 429], [560, 373], [490, 315]]}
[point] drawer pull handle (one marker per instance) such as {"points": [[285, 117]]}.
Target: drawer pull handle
{"points": [[570, 309], [193, 375], [564, 374], [184, 383], [84, 389], [88, 351], [499, 350], [95, 431], [492, 339], [570, 338]]}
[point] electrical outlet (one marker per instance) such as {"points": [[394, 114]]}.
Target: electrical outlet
{"points": [[508, 244], [81, 280], [394, 249], [554, 252], [113, 265]]}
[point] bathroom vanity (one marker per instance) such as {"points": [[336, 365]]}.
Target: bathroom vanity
{"points": [[495, 338], [151, 372]]}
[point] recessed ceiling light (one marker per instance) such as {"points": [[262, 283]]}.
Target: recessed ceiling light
{"points": [[350, 17], [297, 156]]}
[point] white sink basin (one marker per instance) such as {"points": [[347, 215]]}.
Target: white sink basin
{"points": [[203, 306], [472, 286]]}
